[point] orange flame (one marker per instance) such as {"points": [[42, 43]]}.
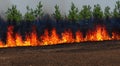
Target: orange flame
{"points": [[99, 34], [10, 39], [115, 36], [19, 41], [67, 37], [33, 41], [79, 37], [51, 37]]}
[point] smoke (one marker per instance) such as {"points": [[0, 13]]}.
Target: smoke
{"points": [[48, 22]]}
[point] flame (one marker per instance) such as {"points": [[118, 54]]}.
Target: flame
{"points": [[115, 36], [99, 34], [45, 38], [33, 41], [79, 37], [1, 44], [10, 39], [67, 37], [19, 41], [52, 37]]}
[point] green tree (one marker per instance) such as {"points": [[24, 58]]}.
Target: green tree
{"points": [[73, 13], [107, 13], [13, 14], [38, 11], [29, 15], [118, 6], [116, 12], [97, 12], [57, 13], [85, 13]]}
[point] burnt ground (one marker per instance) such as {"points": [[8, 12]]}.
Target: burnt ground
{"points": [[105, 53]]}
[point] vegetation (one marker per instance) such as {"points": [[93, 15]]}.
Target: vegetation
{"points": [[107, 12], [38, 11], [13, 14], [73, 13], [57, 13], [116, 12], [97, 12], [85, 13], [29, 16]]}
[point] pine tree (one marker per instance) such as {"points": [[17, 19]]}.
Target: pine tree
{"points": [[73, 13], [13, 14], [116, 12], [118, 6], [107, 13], [38, 11], [29, 15], [97, 12], [85, 13], [57, 13]]}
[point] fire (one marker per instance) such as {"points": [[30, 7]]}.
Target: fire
{"points": [[79, 37], [10, 39], [99, 34], [115, 36], [33, 41], [45, 38], [52, 37], [67, 37], [18, 40]]}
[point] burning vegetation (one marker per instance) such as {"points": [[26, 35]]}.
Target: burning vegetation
{"points": [[52, 37], [37, 29]]}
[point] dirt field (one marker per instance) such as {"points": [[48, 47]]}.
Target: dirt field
{"points": [[105, 53]]}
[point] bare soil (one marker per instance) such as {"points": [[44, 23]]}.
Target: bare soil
{"points": [[105, 53]]}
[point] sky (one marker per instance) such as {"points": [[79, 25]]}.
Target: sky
{"points": [[48, 5], [4, 4]]}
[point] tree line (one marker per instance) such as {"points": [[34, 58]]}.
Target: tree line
{"points": [[86, 13]]}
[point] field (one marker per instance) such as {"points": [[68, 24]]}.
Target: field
{"points": [[106, 53]]}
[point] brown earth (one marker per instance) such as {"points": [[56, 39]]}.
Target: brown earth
{"points": [[105, 53]]}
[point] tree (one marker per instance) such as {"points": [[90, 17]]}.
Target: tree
{"points": [[118, 6], [107, 13], [73, 13], [29, 15], [85, 13], [57, 13], [38, 11], [97, 12], [116, 12], [13, 14]]}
